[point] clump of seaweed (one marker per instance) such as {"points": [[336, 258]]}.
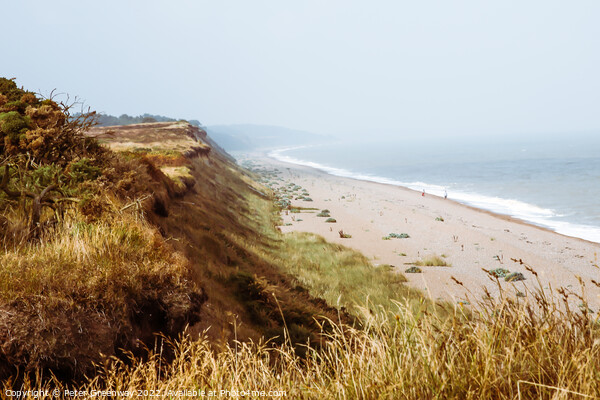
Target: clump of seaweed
{"points": [[344, 235]]}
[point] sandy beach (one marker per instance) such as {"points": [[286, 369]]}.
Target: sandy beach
{"points": [[468, 239]]}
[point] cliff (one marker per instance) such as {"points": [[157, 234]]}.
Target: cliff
{"points": [[165, 235]]}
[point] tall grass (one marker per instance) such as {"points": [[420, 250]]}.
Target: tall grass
{"points": [[79, 290], [507, 349]]}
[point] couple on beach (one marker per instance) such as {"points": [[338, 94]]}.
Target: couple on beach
{"points": [[445, 194]]}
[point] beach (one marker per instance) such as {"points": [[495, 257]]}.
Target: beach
{"points": [[466, 238]]}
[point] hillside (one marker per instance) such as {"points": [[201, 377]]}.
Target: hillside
{"points": [[114, 235]]}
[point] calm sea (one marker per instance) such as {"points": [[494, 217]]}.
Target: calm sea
{"points": [[552, 182]]}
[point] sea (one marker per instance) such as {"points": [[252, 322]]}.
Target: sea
{"points": [[552, 181]]}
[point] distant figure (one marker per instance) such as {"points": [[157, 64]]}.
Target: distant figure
{"points": [[445, 194], [423, 194]]}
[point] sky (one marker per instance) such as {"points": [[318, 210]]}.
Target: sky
{"points": [[386, 68]]}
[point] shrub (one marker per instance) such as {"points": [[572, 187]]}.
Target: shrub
{"points": [[331, 220], [10, 93], [82, 170], [413, 270], [13, 124], [323, 213], [440, 219], [344, 235]]}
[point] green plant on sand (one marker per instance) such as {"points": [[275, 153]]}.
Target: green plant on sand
{"points": [[396, 236]]}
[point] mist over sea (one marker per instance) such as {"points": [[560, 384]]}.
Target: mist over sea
{"points": [[549, 181]]}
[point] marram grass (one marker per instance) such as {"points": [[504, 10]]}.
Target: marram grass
{"points": [[508, 349]]}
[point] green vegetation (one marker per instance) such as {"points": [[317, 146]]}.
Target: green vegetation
{"points": [[396, 236], [506, 274], [340, 275], [499, 272], [331, 220]]}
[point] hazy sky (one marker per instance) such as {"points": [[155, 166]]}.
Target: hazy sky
{"points": [[396, 67]]}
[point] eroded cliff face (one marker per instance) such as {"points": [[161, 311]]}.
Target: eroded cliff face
{"points": [[215, 213], [98, 278], [174, 238]]}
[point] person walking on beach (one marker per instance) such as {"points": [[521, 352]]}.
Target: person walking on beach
{"points": [[445, 194], [423, 194]]}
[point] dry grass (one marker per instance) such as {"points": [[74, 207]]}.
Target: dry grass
{"points": [[181, 176], [76, 292], [432, 261], [505, 349]]}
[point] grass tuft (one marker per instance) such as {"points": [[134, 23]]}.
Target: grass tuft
{"points": [[433, 261]]}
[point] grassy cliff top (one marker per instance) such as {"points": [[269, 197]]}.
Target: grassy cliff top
{"points": [[158, 137]]}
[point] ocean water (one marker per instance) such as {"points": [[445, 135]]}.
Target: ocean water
{"points": [[552, 182]]}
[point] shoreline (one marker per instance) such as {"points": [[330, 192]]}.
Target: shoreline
{"points": [[469, 238], [458, 203], [381, 180]]}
